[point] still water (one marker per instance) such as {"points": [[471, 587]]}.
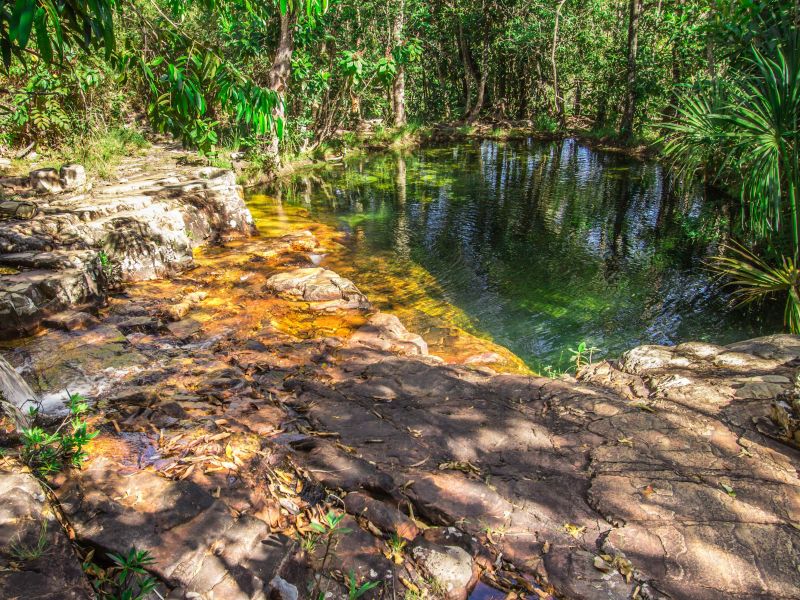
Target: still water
{"points": [[537, 246]]}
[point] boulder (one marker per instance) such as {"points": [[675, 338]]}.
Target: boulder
{"points": [[385, 332], [449, 566], [45, 181], [323, 288], [72, 176]]}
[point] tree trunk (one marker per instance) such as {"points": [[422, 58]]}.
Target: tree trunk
{"points": [[629, 108], [557, 99], [482, 78], [279, 75], [399, 86], [677, 70], [469, 70]]}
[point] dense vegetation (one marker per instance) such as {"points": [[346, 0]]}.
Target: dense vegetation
{"points": [[714, 81]]}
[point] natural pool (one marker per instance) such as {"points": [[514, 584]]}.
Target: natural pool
{"points": [[538, 246]]}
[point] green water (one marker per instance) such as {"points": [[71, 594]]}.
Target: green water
{"points": [[540, 246]]}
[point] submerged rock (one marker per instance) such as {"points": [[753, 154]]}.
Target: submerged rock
{"points": [[324, 289]]}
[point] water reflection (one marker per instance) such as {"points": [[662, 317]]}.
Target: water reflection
{"points": [[540, 245]]}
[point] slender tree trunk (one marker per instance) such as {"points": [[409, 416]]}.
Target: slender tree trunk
{"points": [[576, 107], [676, 68], [399, 86], [469, 70], [629, 107], [482, 78], [557, 99], [279, 75]]}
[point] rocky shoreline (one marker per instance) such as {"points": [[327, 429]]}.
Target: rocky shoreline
{"points": [[84, 240], [242, 400]]}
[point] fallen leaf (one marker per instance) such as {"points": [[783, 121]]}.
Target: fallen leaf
{"points": [[574, 530]]}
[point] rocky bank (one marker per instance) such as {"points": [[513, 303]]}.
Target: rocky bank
{"points": [[245, 397]]}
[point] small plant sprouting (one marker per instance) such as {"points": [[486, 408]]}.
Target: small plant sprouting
{"points": [[26, 552], [125, 579], [394, 549], [105, 262], [107, 266], [329, 529], [46, 453], [308, 543], [552, 373], [354, 590], [582, 355]]}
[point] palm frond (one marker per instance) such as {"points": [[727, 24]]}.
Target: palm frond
{"points": [[753, 279]]}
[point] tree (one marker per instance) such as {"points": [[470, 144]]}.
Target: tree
{"points": [[558, 101], [399, 84], [629, 109]]}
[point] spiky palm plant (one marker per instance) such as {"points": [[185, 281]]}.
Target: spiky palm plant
{"points": [[753, 278], [753, 136]]}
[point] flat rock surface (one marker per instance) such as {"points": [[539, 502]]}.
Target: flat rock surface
{"points": [[197, 544]]}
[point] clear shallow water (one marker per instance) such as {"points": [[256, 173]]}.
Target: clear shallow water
{"points": [[537, 246]]}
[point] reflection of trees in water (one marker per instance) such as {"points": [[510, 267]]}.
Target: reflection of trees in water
{"points": [[548, 242]]}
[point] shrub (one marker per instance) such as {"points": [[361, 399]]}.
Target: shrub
{"points": [[46, 453]]}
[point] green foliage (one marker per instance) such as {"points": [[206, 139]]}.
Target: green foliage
{"points": [[125, 579], [753, 279], [354, 590], [582, 355], [101, 152], [328, 529], [546, 123], [745, 131], [56, 25], [47, 453]]}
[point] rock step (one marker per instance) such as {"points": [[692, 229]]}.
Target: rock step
{"points": [[147, 227], [28, 297], [57, 259]]}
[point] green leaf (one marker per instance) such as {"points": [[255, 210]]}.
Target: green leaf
{"points": [[22, 22]]}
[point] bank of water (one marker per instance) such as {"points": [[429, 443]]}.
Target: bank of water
{"points": [[537, 246]]}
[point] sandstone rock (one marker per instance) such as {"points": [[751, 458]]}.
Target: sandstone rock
{"points": [[196, 543], [72, 176], [574, 574], [385, 517], [485, 358], [449, 566], [385, 332], [70, 320], [45, 181], [52, 570], [280, 589], [146, 227], [323, 288]]}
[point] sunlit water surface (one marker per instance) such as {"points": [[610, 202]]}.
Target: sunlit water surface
{"points": [[536, 246]]}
